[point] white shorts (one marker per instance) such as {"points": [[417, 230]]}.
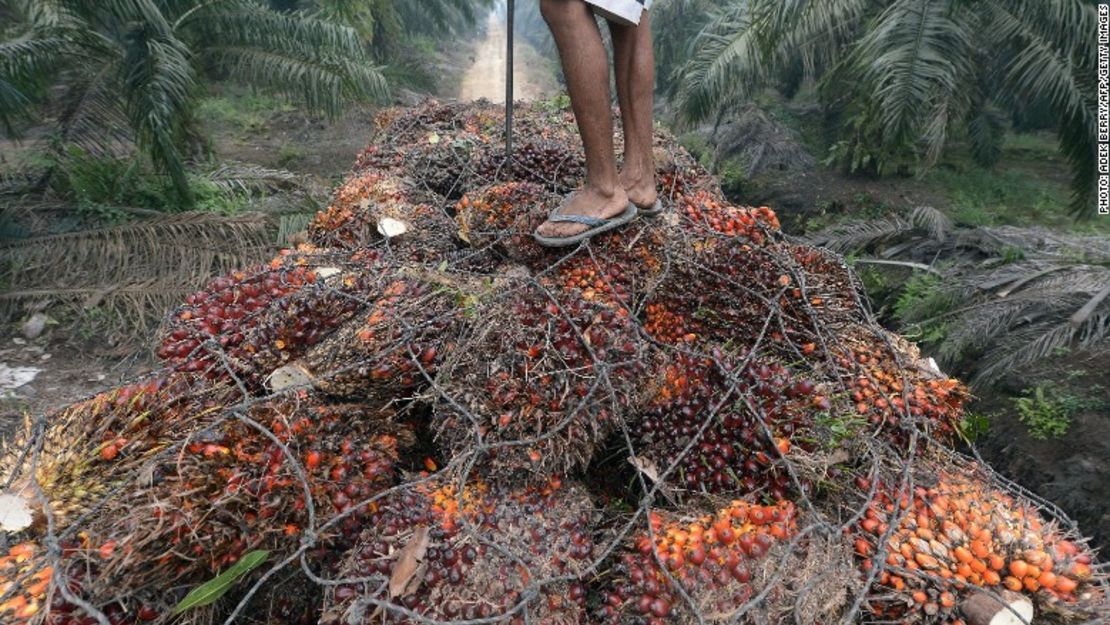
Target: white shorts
{"points": [[624, 11]]}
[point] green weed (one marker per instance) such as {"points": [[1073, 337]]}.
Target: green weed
{"points": [[922, 301], [974, 426], [247, 112], [104, 187], [1047, 410]]}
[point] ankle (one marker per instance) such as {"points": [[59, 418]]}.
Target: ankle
{"points": [[603, 190], [635, 178]]}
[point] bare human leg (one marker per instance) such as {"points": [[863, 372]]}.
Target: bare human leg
{"points": [[586, 68], [634, 57]]}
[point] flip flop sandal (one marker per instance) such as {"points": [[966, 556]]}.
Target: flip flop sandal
{"points": [[653, 210], [596, 226]]}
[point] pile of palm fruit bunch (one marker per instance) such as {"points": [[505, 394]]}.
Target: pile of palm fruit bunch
{"points": [[419, 415]]}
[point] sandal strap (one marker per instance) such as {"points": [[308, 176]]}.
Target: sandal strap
{"points": [[585, 220]]}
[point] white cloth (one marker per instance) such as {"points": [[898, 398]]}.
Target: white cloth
{"points": [[625, 11]]}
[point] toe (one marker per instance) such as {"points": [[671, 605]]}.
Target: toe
{"points": [[552, 230]]}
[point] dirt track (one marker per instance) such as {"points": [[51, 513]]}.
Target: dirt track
{"points": [[486, 78]]}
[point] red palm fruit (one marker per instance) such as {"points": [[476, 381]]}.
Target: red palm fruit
{"points": [[463, 576], [718, 584]]}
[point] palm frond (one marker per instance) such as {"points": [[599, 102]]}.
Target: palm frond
{"points": [[729, 63], [1039, 342], [90, 114], [1055, 61], [247, 179], [320, 63], [933, 221], [985, 130], [159, 84], [186, 245], [854, 236], [915, 55], [25, 66]]}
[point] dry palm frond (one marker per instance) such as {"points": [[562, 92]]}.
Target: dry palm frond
{"points": [[206, 240], [133, 272], [1007, 313], [247, 179], [132, 309], [860, 235], [933, 221]]}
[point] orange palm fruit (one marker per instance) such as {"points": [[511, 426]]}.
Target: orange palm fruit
{"points": [[1012, 583], [1065, 585], [1018, 568], [962, 554]]}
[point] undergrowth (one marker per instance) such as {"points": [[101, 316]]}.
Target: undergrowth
{"points": [[1047, 409]]}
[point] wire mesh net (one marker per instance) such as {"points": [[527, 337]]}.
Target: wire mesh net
{"points": [[421, 416]]}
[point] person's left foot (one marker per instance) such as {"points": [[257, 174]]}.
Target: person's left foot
{"points": [[587, 202], [640, 189]]}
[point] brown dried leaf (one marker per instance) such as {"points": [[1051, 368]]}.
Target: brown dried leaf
{"points": [[408, 562]]}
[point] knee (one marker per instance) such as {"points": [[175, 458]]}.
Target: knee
{"points": [[558, 12]]}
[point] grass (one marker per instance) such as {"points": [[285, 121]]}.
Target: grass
{"points": [[980, 197], [1028, 187], [245, 111]]}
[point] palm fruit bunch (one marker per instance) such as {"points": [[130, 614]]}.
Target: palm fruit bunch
{"points": [[444, 163], [227, 491], [716, 560], [402, 126], [246, 324], [931, 546], [92, 448], [707, 210], [628, 270], [548, 375], [397, 344], [726, 428], [735, 293], [890, 386], [678, 171], [668, 321], [557, 166], [25, 576], [442, 553], [502, 217], [223, 312], [352, 219], [830, 287]]}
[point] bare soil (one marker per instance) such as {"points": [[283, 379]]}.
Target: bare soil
{"points": [[486, 77]]}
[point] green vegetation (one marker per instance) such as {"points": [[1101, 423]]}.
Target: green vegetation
{"points": [[974, 426], [1047, 410], [245, 112], [129, 70], [924, 298], [901, 78], [116, 77]]}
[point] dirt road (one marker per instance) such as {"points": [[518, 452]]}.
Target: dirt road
{"points": [[486, 77]]}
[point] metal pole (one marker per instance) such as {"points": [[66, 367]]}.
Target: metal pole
{"points": [[509, 86]]}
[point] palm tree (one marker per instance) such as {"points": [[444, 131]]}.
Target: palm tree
{"points": [[387, 23], [128, 69], [906, 74]]}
